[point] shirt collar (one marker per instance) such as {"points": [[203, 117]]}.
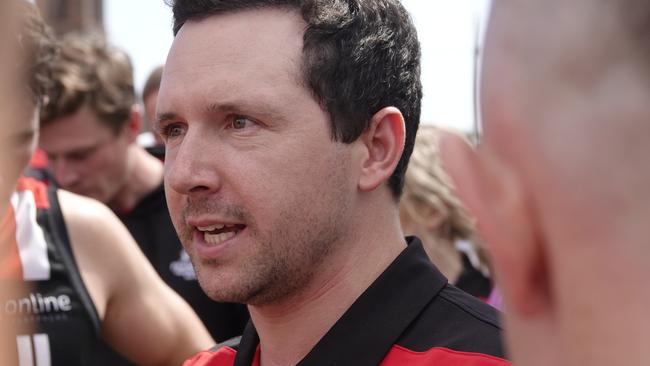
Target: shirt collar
{"points": [[370, 327]]}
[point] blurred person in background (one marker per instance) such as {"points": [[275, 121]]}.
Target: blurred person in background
{"points": [[86, 279], [560, 182], [148, 139], [12, 151], [89, 130], [430, 209]]}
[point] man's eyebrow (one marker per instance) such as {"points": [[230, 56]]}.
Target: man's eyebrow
{"points": [[228, 106], [165, 117], [243, 107]]}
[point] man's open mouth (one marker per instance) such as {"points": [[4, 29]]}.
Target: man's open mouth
{"points": [[217, 234]]}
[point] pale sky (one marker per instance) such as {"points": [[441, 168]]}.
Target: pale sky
{"points": [[447, 30]]}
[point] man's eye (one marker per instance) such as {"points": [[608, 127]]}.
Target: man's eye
{"points": [[173, 130], [240, 122]]}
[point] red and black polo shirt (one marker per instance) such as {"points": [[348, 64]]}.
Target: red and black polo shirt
{"points": [[410, 315]]}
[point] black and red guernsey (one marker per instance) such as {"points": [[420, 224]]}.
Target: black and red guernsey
{"points": [[55, 320], [410, 315]]}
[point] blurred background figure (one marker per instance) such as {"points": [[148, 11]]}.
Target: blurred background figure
{"points": [[559, 185], [148, 139], [62, 251], [88, 131], [430, 210], [12, 152]]}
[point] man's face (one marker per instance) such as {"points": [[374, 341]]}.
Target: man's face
{"points": [[85, 155], [248, 147]]}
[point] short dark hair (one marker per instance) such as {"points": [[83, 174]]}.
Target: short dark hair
{"points": [[39, 50], [90, 72], [358, 57]]}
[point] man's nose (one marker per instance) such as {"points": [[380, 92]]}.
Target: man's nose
{"points": [[192, 168], [65, 174]]}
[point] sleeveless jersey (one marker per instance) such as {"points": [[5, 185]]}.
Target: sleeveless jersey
{"points": [[41, 291]]}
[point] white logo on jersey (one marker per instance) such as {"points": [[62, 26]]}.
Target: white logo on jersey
{"points": [[183, 267], [38, 304]]}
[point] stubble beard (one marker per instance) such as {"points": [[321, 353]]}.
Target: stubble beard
{"points": [[286, 258]]}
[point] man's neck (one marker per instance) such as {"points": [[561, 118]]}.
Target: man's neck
{"points": [[145, 175], [290, 329], [444, 255]]}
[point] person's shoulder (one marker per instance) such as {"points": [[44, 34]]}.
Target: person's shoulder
{"points": [[472, 306], [399, 355], [80, 210], [222, 354], [97, 236], [456, 325]]}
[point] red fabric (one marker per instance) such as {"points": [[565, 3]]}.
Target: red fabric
{"points": [[10, 265], [38, 188], [39, 160], [224, 356], [397, 356], [439, 356]]}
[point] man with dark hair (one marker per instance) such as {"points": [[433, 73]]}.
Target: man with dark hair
{"points": [[89, 129], [83, 278], [560, 182], [288, 126]]}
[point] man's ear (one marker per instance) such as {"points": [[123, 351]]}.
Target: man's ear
{"points": [[497, 199], [383, 142], [132, 127]]}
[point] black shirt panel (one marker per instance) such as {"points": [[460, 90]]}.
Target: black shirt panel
{"points": [[379, 316], [456, 320], [151, 226]]}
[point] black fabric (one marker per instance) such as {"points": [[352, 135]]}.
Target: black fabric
{"points": [[472, 281], [150, 224], [102, 353], [457, 321], [40, 174], [247, 346], [157, 150], [410, 305], [59, 232], [232, 342]]}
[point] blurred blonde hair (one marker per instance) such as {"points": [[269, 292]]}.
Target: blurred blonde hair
{"points": [[427, 185]]}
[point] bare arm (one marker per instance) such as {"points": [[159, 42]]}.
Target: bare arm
{"points": [[142, 318]]}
